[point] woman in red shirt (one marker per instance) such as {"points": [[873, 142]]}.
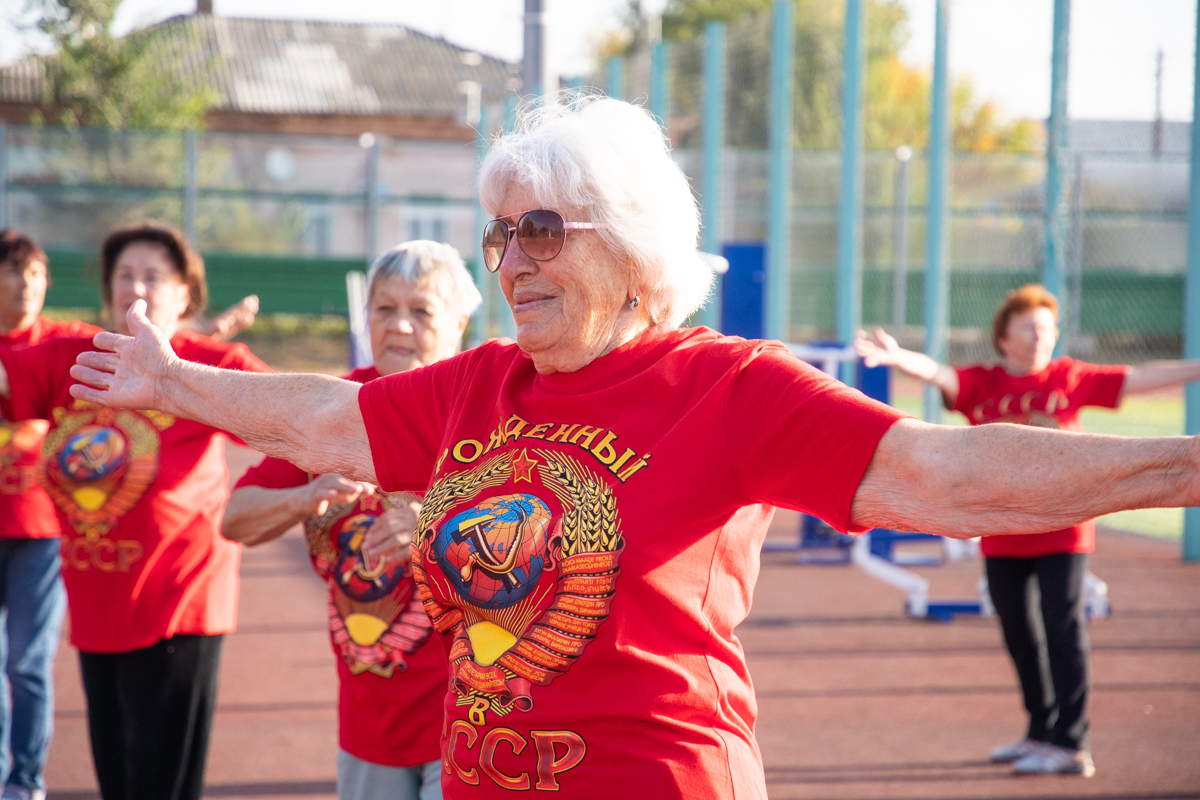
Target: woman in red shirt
{"points": [[1030, 387], [152, 586], [597, 493], [391, 671]]}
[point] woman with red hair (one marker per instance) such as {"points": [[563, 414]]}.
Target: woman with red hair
{"points": [[1031, 387]]}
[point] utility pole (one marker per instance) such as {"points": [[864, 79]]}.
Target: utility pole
{"points": [[533, 64], [1158, 105]]}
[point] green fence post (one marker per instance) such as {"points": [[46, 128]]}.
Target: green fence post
{"points": [[615, 77], [1191, 304], [714, 147], [937, 283], [850, 219], [1053, 270], [779, 186], [483, 278], [660, 92]]}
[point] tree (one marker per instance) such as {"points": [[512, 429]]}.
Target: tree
{"points": [[896, 108], [148, 79]]}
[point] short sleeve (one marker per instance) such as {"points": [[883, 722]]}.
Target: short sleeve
{"points": [[799, 439], [1097, 385], [38, 374], [405, 415], [273, 473], [969, 381]]}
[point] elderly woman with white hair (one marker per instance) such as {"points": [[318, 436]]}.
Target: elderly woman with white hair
{"points": [[596, 494], [391, 671]]}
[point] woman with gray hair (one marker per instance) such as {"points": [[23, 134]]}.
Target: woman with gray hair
{"points": [[391, 672], [597, 494]]}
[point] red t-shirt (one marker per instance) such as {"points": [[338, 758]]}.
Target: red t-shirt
{"points": [[139, 496], [589, 541], [1050, 399], [391, 672], [25, 509]]}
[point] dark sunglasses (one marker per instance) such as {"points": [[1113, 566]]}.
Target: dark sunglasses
{"points": [[540, 234]]}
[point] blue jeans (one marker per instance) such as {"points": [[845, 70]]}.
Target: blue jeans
{"points": [[32, 602]]}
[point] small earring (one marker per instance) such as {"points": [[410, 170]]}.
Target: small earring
{"points": [[634, 303]]}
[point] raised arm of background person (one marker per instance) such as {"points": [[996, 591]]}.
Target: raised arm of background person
{"points": [[1160, 375], [256, 515], [313, 421], [4, 391], [878, 348], [1000, 478]]}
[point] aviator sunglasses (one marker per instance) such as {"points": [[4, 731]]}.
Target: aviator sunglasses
{"points": [[540, 234]]}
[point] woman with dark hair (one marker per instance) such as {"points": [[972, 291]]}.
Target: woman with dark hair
{"points": [[152, 585], [31, 593]]}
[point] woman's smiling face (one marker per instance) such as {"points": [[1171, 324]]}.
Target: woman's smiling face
{"points": [[412, 325], [567, 308]]}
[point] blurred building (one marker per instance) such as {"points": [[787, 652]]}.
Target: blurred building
{"points": [[306, 77]]}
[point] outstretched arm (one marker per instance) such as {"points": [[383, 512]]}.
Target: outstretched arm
{"points": [[255, 514], [990, 479], [1160, 375], [877, 348], [312, 421], [4, 390]]}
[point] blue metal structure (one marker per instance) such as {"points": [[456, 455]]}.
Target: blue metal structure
{"points": [[1054, 268], [850, 214], [779, 190], [742, 289], [660, 92], [614, 77], [713, 148], [1191, 305], [937, 279]]}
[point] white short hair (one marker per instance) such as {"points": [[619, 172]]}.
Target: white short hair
{"points": [[611, 159], [431, 263]]}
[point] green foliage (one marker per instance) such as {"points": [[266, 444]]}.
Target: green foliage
{"points": [[897, 95], [94, 78]]}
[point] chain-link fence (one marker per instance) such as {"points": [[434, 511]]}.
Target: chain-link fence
{"points": [[285, 216], [1127, 226]]}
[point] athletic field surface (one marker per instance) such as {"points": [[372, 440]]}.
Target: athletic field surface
{"points": [[856, 701]]}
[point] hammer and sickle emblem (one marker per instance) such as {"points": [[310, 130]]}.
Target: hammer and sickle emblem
{"points": [[472, 530]]}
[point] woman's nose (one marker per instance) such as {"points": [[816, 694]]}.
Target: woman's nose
{"points": [[403, 324], [515, 262]]}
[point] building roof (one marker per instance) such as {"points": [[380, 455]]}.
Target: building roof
{"points": [[1119, 137], [263, 66]]}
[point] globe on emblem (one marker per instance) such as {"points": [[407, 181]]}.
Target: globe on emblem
{"points": [[358, 578], [92, 453], [494, 552]]}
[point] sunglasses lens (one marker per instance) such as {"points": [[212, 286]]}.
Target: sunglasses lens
{"points": [[541, 234], [495, 242]]}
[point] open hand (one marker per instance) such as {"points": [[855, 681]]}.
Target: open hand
{"points": [[876, 348], [233, 320], [132, 373], [390, 537], [332, 489]]}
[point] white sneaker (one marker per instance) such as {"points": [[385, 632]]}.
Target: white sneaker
{"points": [[21, 793], [1017, 750], [1054, 760]]}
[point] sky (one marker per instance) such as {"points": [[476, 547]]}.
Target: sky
{"points": [[1003, 45]]}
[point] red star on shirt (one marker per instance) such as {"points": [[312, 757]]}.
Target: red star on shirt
{"points": [[523, 466]]}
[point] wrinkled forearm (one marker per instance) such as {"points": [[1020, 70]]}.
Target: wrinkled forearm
{"points": [[313, 421], [256, 515], [997, 479]]}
